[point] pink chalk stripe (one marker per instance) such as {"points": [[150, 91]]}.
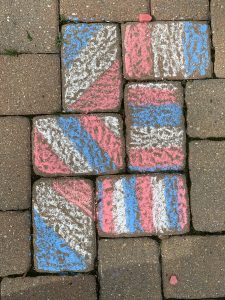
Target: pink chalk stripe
{"points": [[107, 209], [144, 96], [182, 203], [144, 197], [105, 138], [103, 94], [76, 192], [45, 159], [149, 158], [138, 53]]}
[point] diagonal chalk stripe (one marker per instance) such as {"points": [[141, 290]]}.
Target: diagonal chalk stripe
{"points": [[113, 124], [61, 145], [148, 137], [98, 56], [67, 220]]}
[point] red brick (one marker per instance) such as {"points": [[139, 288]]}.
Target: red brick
{"points": [[15, 183], [101, 10], [49, 287], [15, 256], [180, 9]]}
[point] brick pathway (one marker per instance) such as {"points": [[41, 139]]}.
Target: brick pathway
{"points": [[112, 149]]}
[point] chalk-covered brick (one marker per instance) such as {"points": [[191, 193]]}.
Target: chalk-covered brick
{"points": [[136, 205], [155, 126], [218, 26], [129, 269], [15, 255], [170, 50], [64, 229], [193, 267], [78, 144], [104, 10], [81, 287], [180, 9], [92, 76]]}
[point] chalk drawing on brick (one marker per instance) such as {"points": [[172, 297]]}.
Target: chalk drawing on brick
{"points": [[64, 230], [136, 205], [155, 129], [171, 50], [92, 77], [78, 144]]}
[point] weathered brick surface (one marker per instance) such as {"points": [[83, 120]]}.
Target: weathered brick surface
{"points": [[206, 163], [218, 25], [64, 229], [78, 144], [155, 126], [14, 243], [170, 50], [49, 287], [103, 10], [29, 26], [205, 101], [137, 205], [14, 163], [30, 84], [92, 75], [129, 269], [193, 267], [180, 9]]}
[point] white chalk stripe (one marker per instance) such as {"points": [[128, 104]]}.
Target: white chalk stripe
{"points": [[67, 220], [156, 85], [160, 218], [168, 52], [119, 208], [62, 146], [113, 124], [147, 137], [92, 62]]}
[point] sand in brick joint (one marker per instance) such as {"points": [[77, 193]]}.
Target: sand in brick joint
{"points": [[78, 144], [170, 50], [138, 205], [92, 76], [155, 127], [64, 230]]}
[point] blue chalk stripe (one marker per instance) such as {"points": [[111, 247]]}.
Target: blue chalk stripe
{"points": [[171, 198], [156, 116], [131, 204], [99, 186], [156, 168], [51, 252], [84, 143]]}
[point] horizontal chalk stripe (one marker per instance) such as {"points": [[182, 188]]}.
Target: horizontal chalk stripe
{"points": [[84, 143], [147, 137], [155, 157], [67, 220], [163, 115], [156, 168], [62, 146], [93, 60]]}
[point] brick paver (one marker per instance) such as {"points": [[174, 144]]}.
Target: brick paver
{"points": [[29, 26], [64, 230], [193, 267], [134, 205], [103, 10], [129, 269], [205, 101], [218, 26], [15, 163], [206, 163], [15, 256], [155, 138], [30, 84], [49, 287], [78, 144], [180, 9], [166, 50], [92, 75]]}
